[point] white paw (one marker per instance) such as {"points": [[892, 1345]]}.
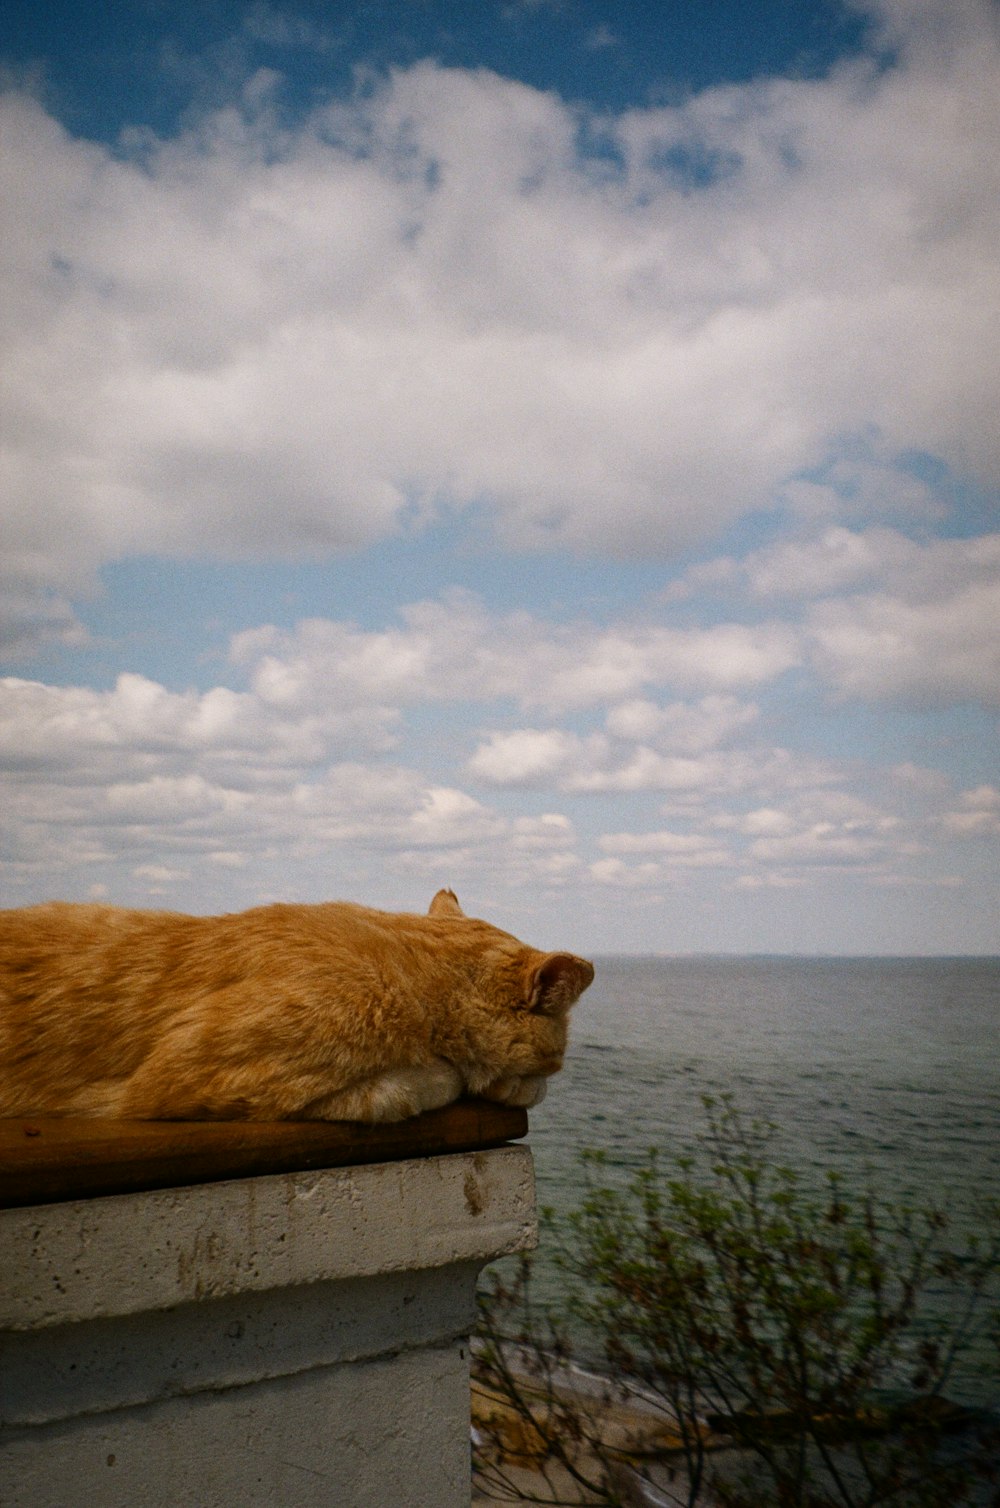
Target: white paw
{"points": [[524, 1092], [436, 1085], [532, 1092]]}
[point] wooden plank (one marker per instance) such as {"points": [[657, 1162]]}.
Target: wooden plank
{"points": [[46, 1161]]}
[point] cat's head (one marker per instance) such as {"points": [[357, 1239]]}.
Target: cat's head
{"points": [[525, 995]]}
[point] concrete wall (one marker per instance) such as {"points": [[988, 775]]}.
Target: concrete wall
{"points": [[293, 1340]]}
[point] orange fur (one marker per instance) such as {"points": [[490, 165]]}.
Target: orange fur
{"points": [[328, 1012]]}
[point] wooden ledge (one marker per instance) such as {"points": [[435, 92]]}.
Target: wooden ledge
{"points": [[47, 1161]]}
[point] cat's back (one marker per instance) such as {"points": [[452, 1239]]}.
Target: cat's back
{"points": [[61, 951], [64, 944], [54, 946], [54, 925]]}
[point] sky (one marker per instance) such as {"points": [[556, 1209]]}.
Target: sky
{"points": [[547, 448]]}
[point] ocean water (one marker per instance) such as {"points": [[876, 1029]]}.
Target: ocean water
{"points": [[887, 1070]]}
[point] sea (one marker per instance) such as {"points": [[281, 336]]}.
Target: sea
{"points": [[886, 1070]]}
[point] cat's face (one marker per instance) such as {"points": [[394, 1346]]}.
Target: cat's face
{"points": [[527, 995]]}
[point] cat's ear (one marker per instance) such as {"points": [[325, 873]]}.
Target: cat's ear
{"points": [[445, 903], [557, 982]]}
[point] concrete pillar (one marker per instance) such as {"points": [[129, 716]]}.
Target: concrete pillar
{"points": [[287, 1341]]}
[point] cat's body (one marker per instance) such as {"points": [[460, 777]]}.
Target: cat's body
{"points": [[327, 1012]]}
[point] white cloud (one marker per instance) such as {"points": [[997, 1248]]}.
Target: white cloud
{"points": [[454, 648], [596, 765], [869, 484], [617, 873], [764, 822], [225, 796], [599, 38], [882, 616], [683, 727], [446, 817], [769, 880], [925, 652], [644, 769], [260, 340], [977, 814], [160, 876], [839, 559], [31, 615], [224, 789], [724, 657], [354, 820], [823, 843], [836, 560], [820, 827], [528, 756], [552, 833], [170, 800], [690, 849], [265, 339], [52, 727], [325, 696]]}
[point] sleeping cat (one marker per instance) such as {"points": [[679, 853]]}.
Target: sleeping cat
{"points": [[327, 1012]]}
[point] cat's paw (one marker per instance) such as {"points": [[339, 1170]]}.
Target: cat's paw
{"points": [[392, 1096], [524, 1092], [435, 1085], [410, 1091]]}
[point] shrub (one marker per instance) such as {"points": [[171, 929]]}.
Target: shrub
{"points": [[797, 1345]]}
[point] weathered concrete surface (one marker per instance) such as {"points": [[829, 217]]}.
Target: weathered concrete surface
{"points": [[364, 1436], [282, 1341], [129, 1253]]}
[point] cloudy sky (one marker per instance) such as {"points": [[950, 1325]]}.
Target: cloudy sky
{"points": [[548, 448]]}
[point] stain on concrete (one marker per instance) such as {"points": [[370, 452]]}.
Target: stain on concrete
{"points": [[474, 1197]]}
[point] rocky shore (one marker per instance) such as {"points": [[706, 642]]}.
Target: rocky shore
{"points": [[534, 1438], [544, 1431]]}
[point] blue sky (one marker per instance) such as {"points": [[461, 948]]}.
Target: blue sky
{"points": [[548, 449]]}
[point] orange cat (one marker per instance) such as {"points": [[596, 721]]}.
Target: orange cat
{"points": [[329, 1012]]}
